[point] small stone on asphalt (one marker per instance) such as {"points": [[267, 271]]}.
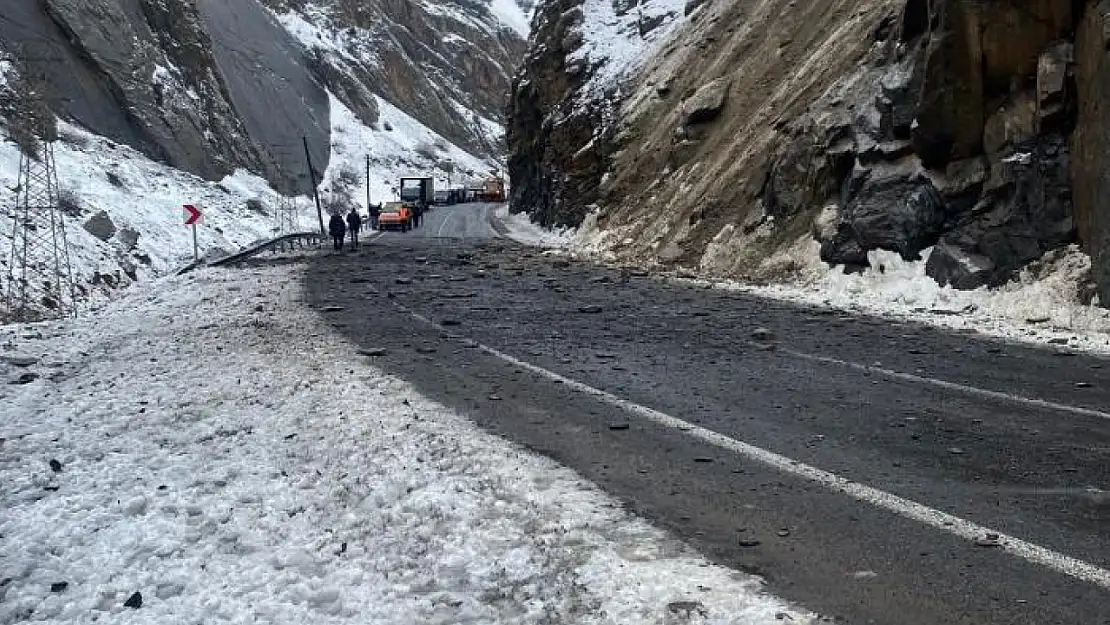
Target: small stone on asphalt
{"points": [[135, 601], [618, 426], [19, 361], [55, 466], [59, 586], [589, 310], [750, 543], [763, 334], [373, 351]]}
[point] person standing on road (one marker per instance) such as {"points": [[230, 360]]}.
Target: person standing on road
{"points": [[375, 211], [417, 214], [338, 230], [354, 224]]}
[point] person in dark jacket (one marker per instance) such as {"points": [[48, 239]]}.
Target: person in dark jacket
{"points": [[417, 213], [338, 230], [375, 210], [354, 224]]}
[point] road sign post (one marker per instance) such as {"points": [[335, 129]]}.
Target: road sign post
{"points": [[193, 216]]}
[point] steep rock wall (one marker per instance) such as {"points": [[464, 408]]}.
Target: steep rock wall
{"points": [[881, 124], [151, 74]]}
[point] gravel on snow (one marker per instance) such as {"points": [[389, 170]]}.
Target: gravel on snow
{"points": [[222, 462]]}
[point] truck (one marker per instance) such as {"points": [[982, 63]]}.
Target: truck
{"points": [[493, 190], [417, 190]]}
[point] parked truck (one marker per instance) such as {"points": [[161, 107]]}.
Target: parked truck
{"points": [[414, 190]]}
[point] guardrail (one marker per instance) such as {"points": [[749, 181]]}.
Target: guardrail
{"points": [[301, 239]]}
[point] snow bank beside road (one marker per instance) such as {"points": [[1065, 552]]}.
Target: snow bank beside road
{"points": [[523, 230], [144, 198], [1041, 306], [202, 442]]}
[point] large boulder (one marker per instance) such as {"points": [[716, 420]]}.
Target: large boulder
{"points": [[100, 226], [707, 102], [1027, 213], [892, 207]]}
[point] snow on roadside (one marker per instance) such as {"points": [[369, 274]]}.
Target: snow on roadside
{"points": [[523, 230], [216, 451], [1041, 306]]}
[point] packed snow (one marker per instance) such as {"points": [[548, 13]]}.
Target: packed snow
{"points": [[204, 450], [523, 230]]}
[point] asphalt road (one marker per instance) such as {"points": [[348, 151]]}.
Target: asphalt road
{"points": [[922, 422], [474, 222]]}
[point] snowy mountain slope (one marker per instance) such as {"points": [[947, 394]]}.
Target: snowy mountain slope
{"points": [[288, 481], [144, 198], [212, 86], [446, 64]]}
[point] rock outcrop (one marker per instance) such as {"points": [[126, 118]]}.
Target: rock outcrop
{"points": [[563, 110], [978, 129], [1090, 143], [173, 79], [556, 161]]}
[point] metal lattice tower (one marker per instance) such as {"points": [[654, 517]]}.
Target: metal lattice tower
{"points": [[286, 215], [39, 284]]}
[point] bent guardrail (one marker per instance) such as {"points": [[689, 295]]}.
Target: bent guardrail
{"points": [[293, 240]]}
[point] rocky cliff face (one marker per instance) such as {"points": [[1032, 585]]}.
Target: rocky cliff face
{"points": [[975, 128], [564, 100], [145, 72], [213, 85]]}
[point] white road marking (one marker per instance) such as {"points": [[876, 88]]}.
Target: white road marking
{"points": [[443, 225], [950, 386], [943, 521]]}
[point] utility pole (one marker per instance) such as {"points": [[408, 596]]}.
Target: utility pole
{"points": [[367, 184], [315, 191]]}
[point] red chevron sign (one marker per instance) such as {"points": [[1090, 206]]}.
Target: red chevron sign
{"points": [[193, 216]]}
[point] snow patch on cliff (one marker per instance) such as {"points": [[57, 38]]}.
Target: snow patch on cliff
{"points": [[615, 45]]}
